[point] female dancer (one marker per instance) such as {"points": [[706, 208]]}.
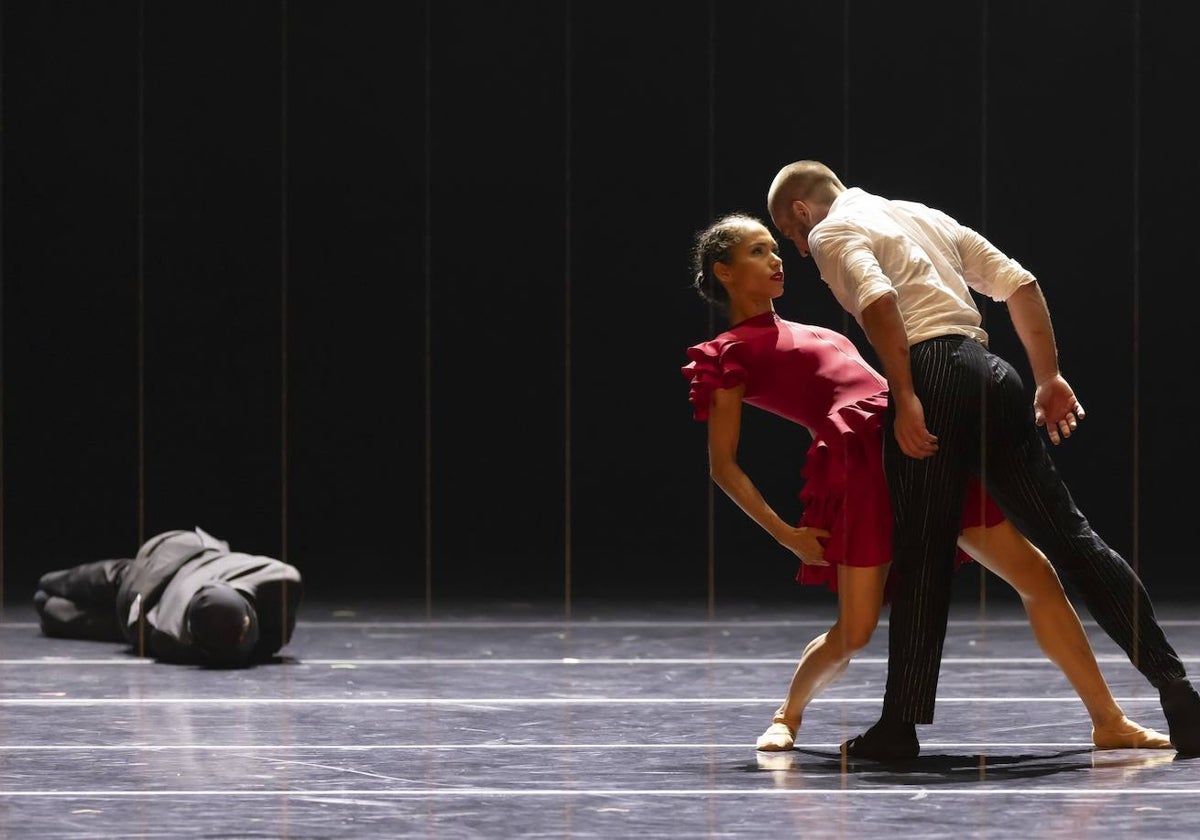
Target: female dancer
{"points": [[816, 377]]}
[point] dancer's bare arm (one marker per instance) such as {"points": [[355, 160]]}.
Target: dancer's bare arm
{"points": [[884, 327], [724, 431], [1055, 404]]}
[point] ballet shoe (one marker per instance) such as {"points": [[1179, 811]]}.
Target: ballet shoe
{"points": [[779, 737], [1124, 734], [1181, 707], [885, 741]]}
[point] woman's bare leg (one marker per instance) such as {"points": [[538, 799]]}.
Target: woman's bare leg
{"points": [[1004, 551], [860, 598]]}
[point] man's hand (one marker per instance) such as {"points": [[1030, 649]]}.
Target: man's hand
{"points": [[1056, 408], [806, 544], [915, 440]]}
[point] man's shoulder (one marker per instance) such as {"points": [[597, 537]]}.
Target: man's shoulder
{"points": [[837, 227], [920, 210]]}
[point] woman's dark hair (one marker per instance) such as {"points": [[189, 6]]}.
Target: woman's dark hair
{"points": [[712, 245]]}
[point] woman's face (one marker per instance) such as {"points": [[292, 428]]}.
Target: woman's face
{"points": [[755, 269]]}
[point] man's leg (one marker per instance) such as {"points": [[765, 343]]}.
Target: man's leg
{"points": [[927, 499], [80, 602], [1023, 480]]}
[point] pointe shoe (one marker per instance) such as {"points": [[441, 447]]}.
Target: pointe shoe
{"points": [[779, 737], [1124, 734], [1181, 707]]}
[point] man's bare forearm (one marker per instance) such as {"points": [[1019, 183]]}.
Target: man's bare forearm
{"points": [[885, 330], [1031, 319]]}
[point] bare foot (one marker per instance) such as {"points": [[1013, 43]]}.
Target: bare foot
{"points": [[778, 738], [1123, 734]]}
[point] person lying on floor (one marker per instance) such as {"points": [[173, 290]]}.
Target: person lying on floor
{"points": [[186, 598]]}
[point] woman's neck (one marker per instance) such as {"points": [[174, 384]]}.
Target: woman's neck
{"points": [[737, 314]]}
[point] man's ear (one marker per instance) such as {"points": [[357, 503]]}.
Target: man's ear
{"points": [[801, 211]]}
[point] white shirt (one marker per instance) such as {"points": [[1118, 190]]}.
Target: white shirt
{"points": [[869, 246]]}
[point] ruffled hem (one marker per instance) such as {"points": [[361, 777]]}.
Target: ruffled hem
{"points": [[845, 492]]}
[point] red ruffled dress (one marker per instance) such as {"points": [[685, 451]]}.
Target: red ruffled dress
{"points": [[816, 377]]}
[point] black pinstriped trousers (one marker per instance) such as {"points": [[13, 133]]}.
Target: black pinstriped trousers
{"points": [[977, 405]]}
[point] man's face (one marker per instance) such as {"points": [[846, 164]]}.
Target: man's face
{"points": [[794, 222]]}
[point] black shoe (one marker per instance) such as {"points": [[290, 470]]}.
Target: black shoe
{"points": [[885, 741], [1181, 707]]}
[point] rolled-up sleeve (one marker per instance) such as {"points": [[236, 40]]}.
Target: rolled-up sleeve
{"points": [[848, 265], [987, 269]]}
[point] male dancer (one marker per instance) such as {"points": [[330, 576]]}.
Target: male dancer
{"points": [[904, 271]]}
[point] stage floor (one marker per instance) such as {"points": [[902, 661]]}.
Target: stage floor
{"points": [[623, 721]]}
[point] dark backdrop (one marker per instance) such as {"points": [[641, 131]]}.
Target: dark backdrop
{"points": [[399, 291]]}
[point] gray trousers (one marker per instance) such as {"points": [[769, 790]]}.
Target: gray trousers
{"points": [[81, 602]]}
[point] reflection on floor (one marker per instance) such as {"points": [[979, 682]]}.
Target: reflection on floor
{"points": [[628, 721]]}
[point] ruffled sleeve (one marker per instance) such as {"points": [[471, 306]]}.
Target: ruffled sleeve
{"points": [[714, 364]]}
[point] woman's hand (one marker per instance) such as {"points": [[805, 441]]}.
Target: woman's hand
{"points": [[806, 544]]}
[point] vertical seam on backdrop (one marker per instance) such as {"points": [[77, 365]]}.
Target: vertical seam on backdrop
{"points": [[847, 326], [711, 558], [567, 510], [984, 43], [1136, 313], [283, 282], [428, 361], [140, 420]]}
